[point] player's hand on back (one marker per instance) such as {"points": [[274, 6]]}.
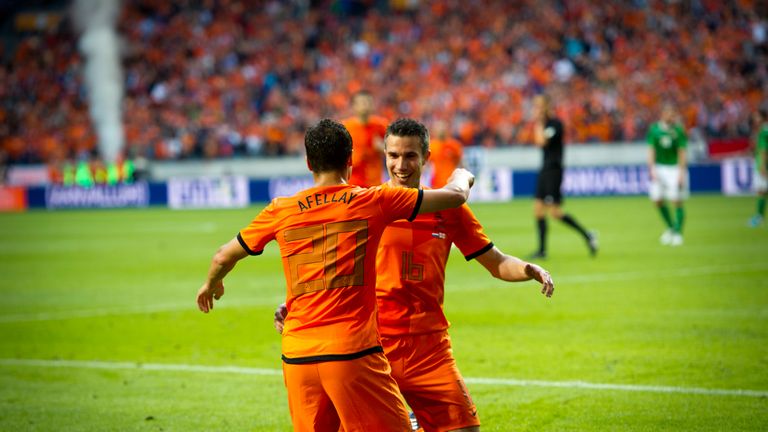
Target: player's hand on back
{"points": [[207, 293], [279, 320], [543, 277]]}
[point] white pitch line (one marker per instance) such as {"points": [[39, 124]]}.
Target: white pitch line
{"points": [[85, 364], [128, 310], [620, 387], [242, 370], [661, 273], [644, 275]]}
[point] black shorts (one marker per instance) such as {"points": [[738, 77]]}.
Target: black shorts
{"points": [[548, 185]]}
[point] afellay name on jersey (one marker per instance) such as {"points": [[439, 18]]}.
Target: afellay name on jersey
{"points": [[319, 199]]}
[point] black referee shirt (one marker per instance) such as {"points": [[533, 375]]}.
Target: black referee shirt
{"points": [[553, 150]]}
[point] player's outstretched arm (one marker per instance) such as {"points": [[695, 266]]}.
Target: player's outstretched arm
{"points": [[222, 263], [513, 269], [682, 165], [539, 136], [452, 195], [651, 163]]}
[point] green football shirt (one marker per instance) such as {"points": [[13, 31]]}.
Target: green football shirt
{"points": [[667, 140], [762, 144]]}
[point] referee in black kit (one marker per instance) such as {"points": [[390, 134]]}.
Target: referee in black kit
{"points": [[548, 135]]}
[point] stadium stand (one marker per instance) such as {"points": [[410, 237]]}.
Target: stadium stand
{"points": [[229, 78]]}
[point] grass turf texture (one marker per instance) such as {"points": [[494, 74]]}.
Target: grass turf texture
{"points": [[119, 286]]}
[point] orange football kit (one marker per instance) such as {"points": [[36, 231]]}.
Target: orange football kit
{"points": [[367, 159], [409, 289], [333, 362], [445, 156]]}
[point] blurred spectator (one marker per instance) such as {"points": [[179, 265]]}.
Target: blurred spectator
{"points": [[3, 167], [230, 78], [445, 156], [367, 131]]}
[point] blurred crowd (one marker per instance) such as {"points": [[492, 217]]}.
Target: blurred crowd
{"points": [[223, 78]]}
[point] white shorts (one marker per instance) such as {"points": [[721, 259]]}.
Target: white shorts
{"points": [[759, 183], [666, 185]]}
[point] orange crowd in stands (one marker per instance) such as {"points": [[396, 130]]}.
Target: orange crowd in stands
{"points": [[228, 78]]}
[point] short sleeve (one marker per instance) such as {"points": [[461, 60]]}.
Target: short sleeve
{"points": [[468, 234], [400, 203], [650, 138], [560, 130], [762, 140], [259, 232]]}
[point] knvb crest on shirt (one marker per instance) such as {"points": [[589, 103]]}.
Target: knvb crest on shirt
{"points": [[438, 231]]}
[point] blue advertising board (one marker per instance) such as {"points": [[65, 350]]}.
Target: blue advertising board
{"points": [[615, 180], [497, 184], [114, 196]]}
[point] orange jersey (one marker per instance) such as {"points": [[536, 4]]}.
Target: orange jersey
{"points": [[328, 237], [367, 159], [446, 157], [411, 268]]}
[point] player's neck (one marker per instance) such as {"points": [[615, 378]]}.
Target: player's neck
{"points": [[329, 178], [363, 118], [392, 183]]}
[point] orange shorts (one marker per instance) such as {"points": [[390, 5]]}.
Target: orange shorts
{"points": [[354, 395], [426, 372]]}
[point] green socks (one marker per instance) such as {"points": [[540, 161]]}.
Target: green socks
{"points": [[677, 223], [679, 217], [664, 210], [761, 206]]}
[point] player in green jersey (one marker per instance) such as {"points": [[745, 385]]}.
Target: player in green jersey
{"points": [[668, 172], [760, 177]]}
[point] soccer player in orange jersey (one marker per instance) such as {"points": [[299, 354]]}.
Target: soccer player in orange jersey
{"points": [[367, 132], [446, 153], [410, 287], [333, 362]]}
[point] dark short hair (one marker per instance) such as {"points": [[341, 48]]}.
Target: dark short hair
{"points": [[406, 127], [328, 146], [362, 92]]}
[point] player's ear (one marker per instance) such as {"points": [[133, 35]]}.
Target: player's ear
{"points": [[349, 161], [426, 158], [309, 165]]}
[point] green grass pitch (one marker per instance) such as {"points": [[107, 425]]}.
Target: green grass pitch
{"points": [[110, 289]]}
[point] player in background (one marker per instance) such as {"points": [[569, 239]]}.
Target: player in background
{"points": [[410, 286], [760, 179], [667, 168], [333, 362], [548, 133], [367, 132], [446, 154]]}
